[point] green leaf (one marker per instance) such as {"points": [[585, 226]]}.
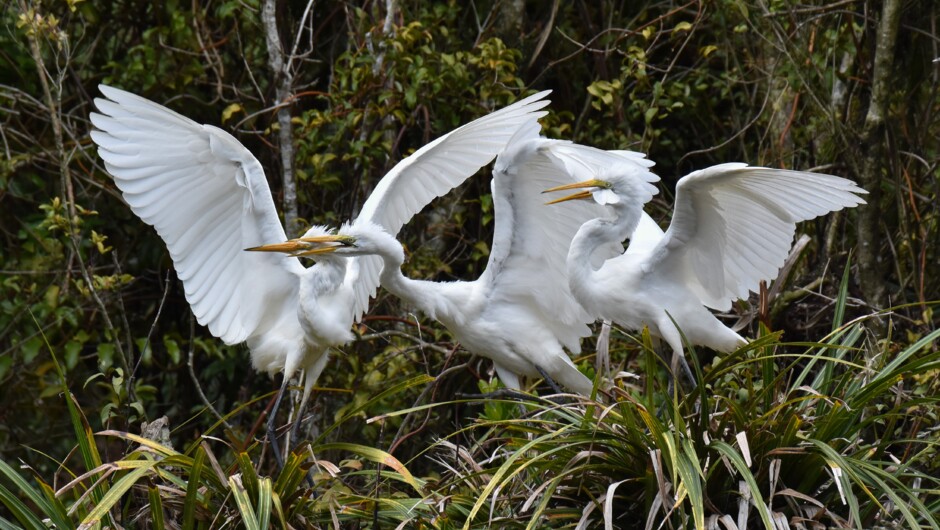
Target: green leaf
{"points": [[265, 501], [192, 487], [156, 509], [30, 349], [738, 461], [249, 519], [378, 456], [116, 493], [6, 361], [72, 351], [172, 350], [22, 512], [105, 356]]}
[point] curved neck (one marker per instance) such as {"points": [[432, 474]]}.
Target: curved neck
{"points": [[592, 235], [597, 232], [432, 298], [589, 237]]}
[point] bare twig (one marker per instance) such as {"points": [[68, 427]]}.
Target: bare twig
{"points": [[395, 333], [192, 375]]}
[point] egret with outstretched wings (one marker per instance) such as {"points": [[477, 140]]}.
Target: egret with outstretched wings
{"points": [[732, 227], [519, 312], [208, 198]]}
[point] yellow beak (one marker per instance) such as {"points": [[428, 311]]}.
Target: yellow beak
{"points": [[305, 246], [586, 194]]}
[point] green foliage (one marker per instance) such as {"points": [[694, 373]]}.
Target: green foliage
{"points": [[827, 439]]}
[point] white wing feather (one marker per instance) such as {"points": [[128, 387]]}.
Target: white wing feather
{"points": [[431, 172], [208, 199], [733, 226], [527, 264]]}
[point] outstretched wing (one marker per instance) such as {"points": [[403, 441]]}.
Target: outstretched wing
{"points": [[527, 264], [733, 226], [207, 197], [431, 172]]}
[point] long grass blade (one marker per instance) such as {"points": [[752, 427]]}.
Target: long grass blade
{"points": [[83, 433], [46, 506], [839, 314], [7, 525], [249, 519], [265, 501], [738, 461], [192, 487], [114, 495], [690, 473], [61, 513], [291, 475], [156, 509], [20, 510], [378, 456], [505, 469], [146, 442], [841, 473], [249, 475], [422, 379]]}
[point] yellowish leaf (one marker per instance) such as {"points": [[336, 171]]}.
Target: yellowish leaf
{"points": [[230, 111]]}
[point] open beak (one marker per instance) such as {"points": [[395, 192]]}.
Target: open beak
{"points": [[306, 246], [585, 194]]}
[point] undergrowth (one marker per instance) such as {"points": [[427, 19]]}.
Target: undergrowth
{"points": [[840, 433]]}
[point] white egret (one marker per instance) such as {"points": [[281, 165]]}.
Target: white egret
{"points": [[208, 198], [519, 312], [732, 226]]}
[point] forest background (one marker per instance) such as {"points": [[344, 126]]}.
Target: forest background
{"points": [[329, 96]]}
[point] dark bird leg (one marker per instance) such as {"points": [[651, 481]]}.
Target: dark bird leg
{"points": [[272, 425], [551, 382], [295, 430]]}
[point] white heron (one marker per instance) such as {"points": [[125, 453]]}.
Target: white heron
{"points": [[208, 198], [519, 312], [732, 226]]}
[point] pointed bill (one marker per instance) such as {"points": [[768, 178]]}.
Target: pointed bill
{"points": [[586, 194], [593, 183], [306, 246]]}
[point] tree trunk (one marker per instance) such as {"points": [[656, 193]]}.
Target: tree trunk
{"points": [[874, 162], [283, 80]]}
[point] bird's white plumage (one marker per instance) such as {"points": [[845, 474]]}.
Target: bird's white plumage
{"points": [[431, 172], [208, 199], [519, 312], [733, 225], [526, 267]]}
